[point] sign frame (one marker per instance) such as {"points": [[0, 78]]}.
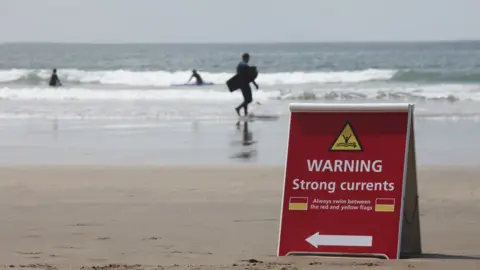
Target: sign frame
{"points": [[409, 237]]}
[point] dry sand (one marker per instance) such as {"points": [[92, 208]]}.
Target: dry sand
{"points": [[200, 217]]}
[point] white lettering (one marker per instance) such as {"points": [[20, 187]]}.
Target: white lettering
{"points": [[328, 166], [295, 184], [367, 186], [349, 166], [330, 187], [314, 165], [313, 185], [339, 165], [321, 201]]}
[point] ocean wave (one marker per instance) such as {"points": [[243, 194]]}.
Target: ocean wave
{"points": [[161, 79], [436, 77], [448, 93], [165, 78]]}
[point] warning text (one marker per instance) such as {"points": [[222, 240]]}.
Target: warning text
{"points": [[337, 165], [341, 205], [330, 187]]}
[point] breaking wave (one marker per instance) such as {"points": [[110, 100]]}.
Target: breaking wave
{"points": [[437, 77], [449, 93], [165, 78]]}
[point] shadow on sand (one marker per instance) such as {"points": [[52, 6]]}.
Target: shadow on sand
{"points": [[442, 256], [438, 256]]}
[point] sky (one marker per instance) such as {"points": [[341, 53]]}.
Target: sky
{"points": [[244, 21]]}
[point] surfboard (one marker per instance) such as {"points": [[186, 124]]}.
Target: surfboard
{"points": [[193, 84], [234, 82]]}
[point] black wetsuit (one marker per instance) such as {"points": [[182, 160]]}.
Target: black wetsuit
{"points": [[54, 81], [244, 74], [198, 78]]}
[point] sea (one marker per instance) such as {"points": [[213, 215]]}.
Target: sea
{"points": [[117, 104]]}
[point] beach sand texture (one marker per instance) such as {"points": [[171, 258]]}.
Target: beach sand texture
{"points": [[179, 217]]}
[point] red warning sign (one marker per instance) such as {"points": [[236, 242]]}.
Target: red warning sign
{"points": [[347, 172]]}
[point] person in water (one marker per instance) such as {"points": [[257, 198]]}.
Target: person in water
{"points": [[54, 81], [243, 71], [197, 77]]}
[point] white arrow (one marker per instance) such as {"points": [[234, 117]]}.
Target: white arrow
{"points": [[339, 240]]}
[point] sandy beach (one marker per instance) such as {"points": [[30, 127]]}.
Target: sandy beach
{"points": [[208, 217]]}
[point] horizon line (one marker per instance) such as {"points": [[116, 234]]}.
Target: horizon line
{"points": [[237, 43]]}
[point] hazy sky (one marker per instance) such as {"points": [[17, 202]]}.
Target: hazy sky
{"points": [[114, 21]]}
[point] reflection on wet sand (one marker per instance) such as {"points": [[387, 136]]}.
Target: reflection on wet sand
{"points": [[247, 142]]}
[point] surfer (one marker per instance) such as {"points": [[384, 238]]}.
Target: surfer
{"points": [[197, 77], [243, 71], [54, 81]]}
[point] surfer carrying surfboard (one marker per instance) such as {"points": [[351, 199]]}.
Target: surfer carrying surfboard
{"points": [[197, 77], [245, 76]]}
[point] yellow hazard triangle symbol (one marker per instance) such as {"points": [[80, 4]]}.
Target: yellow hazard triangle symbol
{"points": [[346, 141]]}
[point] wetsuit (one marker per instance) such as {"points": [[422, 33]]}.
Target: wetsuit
{"points": [[244, 74], [54, 81], [198, 78]]}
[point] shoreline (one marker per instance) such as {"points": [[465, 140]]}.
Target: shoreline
{"points": [[203, 143]]}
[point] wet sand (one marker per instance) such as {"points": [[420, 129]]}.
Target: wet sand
{"points": [[208, 217]]}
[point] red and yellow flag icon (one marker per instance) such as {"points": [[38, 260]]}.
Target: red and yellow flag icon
{"points": [[298, 203], [384, 205]]}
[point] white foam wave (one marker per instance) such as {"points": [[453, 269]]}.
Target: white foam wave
{"points": [[165, 78], [450, 93], [436, 102]]}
